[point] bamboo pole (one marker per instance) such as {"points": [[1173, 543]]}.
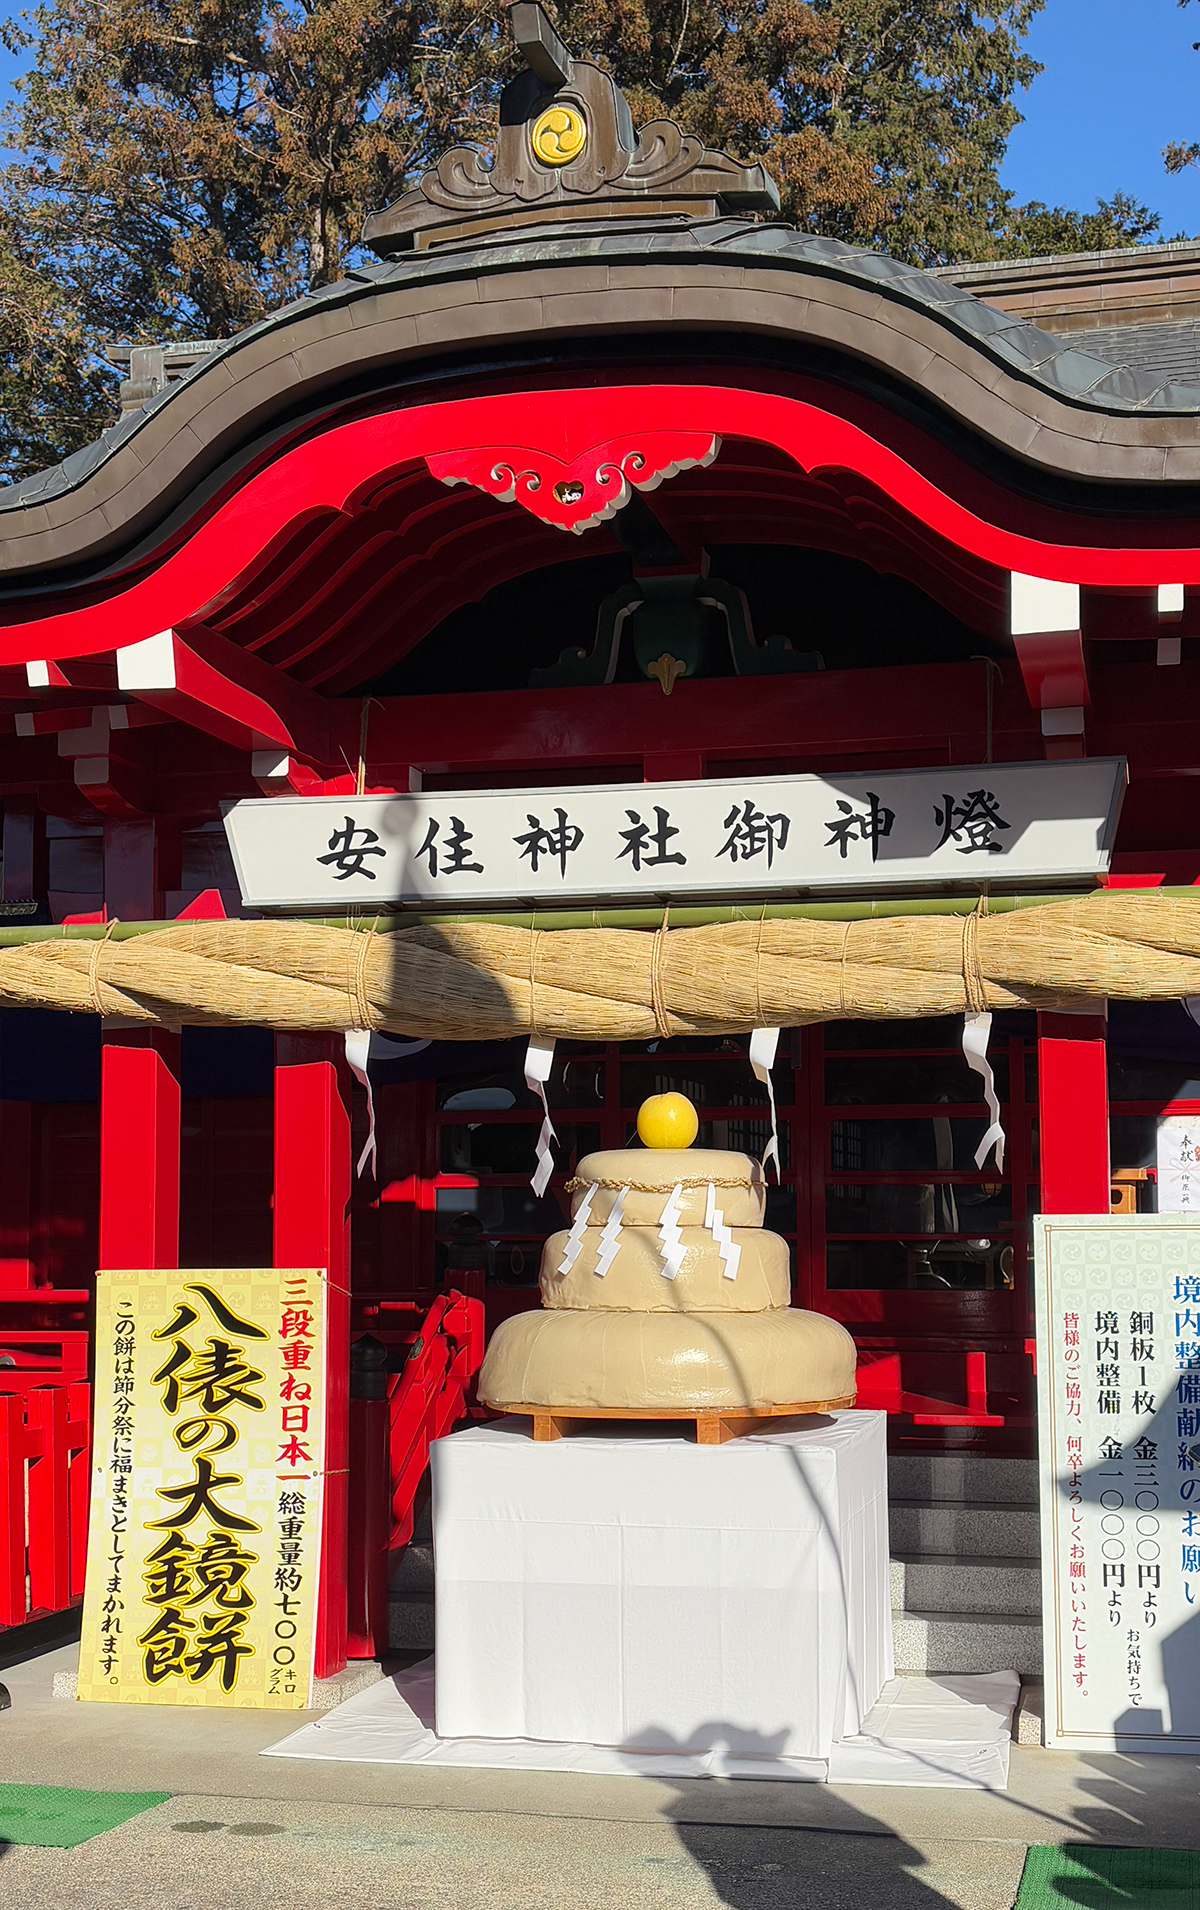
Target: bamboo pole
{"points": [[551, 920]]}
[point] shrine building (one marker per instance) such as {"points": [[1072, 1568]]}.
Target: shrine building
{"points": [[602, 484]]}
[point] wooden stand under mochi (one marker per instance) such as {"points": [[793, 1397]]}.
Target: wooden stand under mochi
{"points": [[712, 1428]]}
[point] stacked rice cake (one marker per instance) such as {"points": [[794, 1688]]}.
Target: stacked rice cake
{"points": [[667, 1294]]}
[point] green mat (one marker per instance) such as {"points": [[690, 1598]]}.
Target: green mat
{"points": [[43, 1814], [1093, 1877]]}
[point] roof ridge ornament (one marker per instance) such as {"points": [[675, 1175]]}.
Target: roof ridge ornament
{"points": [[579, 493], [566, 151]]}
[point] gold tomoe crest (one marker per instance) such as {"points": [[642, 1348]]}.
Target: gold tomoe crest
{"points": [[559, 135]]}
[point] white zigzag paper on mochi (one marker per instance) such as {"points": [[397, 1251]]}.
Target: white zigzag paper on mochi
{"points": [[728, 1249], [573, 1245], [610, 1238], [672, 1248]]}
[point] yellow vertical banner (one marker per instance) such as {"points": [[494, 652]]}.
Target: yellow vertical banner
{"points": [[207, 1471]]}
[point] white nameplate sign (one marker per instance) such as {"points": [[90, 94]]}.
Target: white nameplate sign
{"points": [[753, 835], [1118, 1354], [1179, 1164]]}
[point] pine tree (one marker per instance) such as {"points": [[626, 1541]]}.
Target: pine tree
{"points": [[1038, 231], [189, 165], [1182, 153], [55, 394]]}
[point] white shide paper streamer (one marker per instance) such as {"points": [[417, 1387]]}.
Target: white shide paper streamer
{"points": [[673, 1248], [358, 1048], [573, 1245], [976, 1030], [714, 1220], [358, 1054], [539, 1059], [610, 1238], [763, 1043]]}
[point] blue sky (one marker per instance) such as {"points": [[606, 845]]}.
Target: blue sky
{"points": [[1120, 81]]}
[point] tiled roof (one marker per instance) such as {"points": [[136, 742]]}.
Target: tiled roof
{"points": [[1170, 351], [1077, 369]]}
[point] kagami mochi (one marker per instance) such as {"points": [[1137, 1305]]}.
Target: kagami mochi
{"points": [[667, 1293]]}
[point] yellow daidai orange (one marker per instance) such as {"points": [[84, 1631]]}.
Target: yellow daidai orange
{"points": [[667, 1120]]}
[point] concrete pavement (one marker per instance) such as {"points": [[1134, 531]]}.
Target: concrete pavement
{"points": [[206, 1853], [244, 1832]]}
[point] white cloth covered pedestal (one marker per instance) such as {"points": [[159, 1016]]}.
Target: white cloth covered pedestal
{"points": [[631, 1588]]}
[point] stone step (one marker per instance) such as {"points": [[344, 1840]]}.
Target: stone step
{"points": [[413, 1569], [956, 1528], [927, 1476], [410, 1621], [967, 1641], [926, 1583], [1029, 1723]]}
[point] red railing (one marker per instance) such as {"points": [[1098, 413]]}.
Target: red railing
{"points": [[881, 1386], [45, 1457], [390, 1437], [43, 1330]]}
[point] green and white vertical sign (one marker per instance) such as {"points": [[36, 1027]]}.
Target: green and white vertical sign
{"points": [[1118, 1352]]}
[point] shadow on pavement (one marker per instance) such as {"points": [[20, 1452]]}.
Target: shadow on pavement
{"points": [[850, 1861]]}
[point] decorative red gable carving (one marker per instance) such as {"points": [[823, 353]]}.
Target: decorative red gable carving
{"points": [[342, 470], [578, 495]]}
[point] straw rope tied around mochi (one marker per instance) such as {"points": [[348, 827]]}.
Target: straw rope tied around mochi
{"points": [[474, 981], [648, 1187]]}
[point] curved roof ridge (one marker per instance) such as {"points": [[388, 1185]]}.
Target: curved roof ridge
{"points": [[1061, 367]]}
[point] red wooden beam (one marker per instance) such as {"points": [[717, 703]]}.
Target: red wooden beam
{"points": [[1052, 664], [1073, 1114], [52, 722], [934, 713], [218, 687], [139, 1148], [114, 786], [91, 670], [830, 713], [311, 1229], [347, 467]]}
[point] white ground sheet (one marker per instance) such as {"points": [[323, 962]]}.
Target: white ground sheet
{"points": [[944, 1731]]}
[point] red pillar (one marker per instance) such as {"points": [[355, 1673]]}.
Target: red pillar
{"points": [[139, 1148], [312, 1229], [1073, 1114], [369, 1524]]}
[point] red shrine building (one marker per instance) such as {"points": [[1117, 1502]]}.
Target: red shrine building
{"points": [[596, 474]]}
